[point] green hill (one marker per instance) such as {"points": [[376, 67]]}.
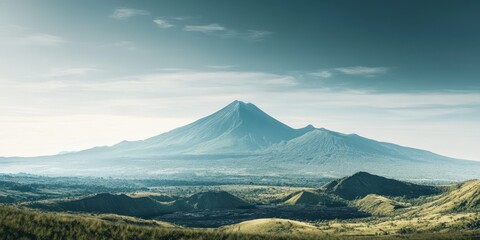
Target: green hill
{"points": [[379, 205], [109, 203], [313, 198], [216, 200], [361, 184], [464, 197], [272, 226]]}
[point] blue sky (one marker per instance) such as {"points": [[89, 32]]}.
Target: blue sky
{"points": [[77, 74]]}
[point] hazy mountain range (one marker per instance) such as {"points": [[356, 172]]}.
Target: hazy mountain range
{"points": [[241, 139]]}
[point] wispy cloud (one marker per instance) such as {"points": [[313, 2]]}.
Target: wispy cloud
{"points": [[221, 66], [191, 94], [322, 74], [363, 71], [67, 72], [125, 13], [256, 35], [43, 39], [214, 27], [161, 23]]}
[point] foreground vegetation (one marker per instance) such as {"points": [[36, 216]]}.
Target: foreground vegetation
{"points": [[27, 224], [19, 223]]}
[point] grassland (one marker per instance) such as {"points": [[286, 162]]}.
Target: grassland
{"points": [[454, 213], [19, 223]]}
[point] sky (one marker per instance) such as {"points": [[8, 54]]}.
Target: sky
{"points": [[79, 74]]}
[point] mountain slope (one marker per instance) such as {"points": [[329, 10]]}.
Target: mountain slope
{"points": [[463, 197], [237, 128], [242, 139], [361, 184]]}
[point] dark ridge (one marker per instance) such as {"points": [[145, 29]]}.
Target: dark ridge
{"points": [[361, 184]]}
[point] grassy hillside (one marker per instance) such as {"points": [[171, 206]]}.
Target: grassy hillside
{"points": [[464, 197], [272, 226], [108, 203], [361, 184], [313, 198], [27, 224], [379, 205]]}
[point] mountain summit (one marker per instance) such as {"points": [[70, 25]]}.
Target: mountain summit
{"points": [[242, 139], [237, 128]]}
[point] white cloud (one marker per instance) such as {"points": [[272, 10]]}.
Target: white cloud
{"points": [[65, 72], [214, 27], [322, 74], [124, 13], [43, 39], [362, 71], [411, 119], [223, 67], [162, 23]]}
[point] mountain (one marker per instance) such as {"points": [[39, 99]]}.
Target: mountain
{"points": [[109, 203], [242, 140], [238, 128], [362, 184], [216, 200], [313, 198]]}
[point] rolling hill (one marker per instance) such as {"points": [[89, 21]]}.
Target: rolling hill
{"points": [[313, 198], [379, 205], [109, 203], [463, 197], [271, 226], [216, 200], [362, 184]]}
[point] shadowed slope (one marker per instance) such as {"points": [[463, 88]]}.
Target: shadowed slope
{"points": [[109, 203], [216, 200], [361, 184]]}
